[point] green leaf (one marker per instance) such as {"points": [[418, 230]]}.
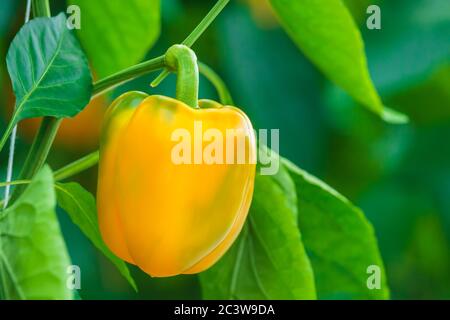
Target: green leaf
{"points": [[117, 34], [329, 37], [80, 206], [33, 255], [339, 240], [268, 260], [49, 72]]}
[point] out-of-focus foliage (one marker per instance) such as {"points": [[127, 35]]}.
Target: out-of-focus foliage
{"points": [[78, 134], [117, 34]]}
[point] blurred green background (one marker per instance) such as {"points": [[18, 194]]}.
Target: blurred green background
{"points": [[399, 175]]}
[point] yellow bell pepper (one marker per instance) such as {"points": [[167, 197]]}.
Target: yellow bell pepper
{"points": [[164, 216]]}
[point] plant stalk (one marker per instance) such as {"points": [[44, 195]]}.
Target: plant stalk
{"points": [[38, 152], [41, 8], [49, 126], [126, 75], [196, 33], [205, 23], [77, 166], [183, 61], [222, 90]]}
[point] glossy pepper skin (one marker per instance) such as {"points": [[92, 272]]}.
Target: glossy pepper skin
{"points": [[169, 218]]}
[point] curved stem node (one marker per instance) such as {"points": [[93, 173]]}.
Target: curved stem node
{"points": [[182, 60]]}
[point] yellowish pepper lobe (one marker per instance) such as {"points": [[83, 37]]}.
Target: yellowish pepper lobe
{"points": [[115, 121]]}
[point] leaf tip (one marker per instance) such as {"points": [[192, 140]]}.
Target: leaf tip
{"points": [[394, 117]]}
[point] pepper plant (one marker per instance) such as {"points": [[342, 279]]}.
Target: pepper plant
{"points": [[301, 238]]}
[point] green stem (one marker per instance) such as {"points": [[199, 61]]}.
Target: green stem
{"points": [[38, 152], [128, 74], [160, 78], [41, 8], [218, 83], [77, 166], [49, 126], [7, 133], [183, 60], [196, 33], [11, 183], [205, 23], [14, 183]]}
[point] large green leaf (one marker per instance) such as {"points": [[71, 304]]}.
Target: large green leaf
{"points": [[339, 240], [80, 206], [33, 255], [268, 260], [117, 34], [329, 37], [49, 72]]}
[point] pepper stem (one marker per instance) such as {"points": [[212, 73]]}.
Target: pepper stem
{"points": [[182, 60]]}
